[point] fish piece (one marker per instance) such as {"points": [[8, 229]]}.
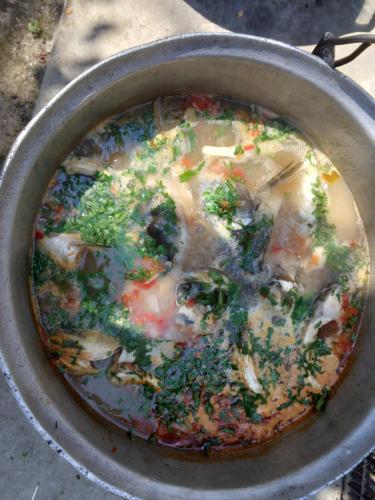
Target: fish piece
{"points": [[246, 368], [315, 275], [69, 298], [246, 207], [310, 380], [161, 350], [291, 150], [202, 246], [342, 212], [126, 357], [296, 184], [87, 148], [249, 374], [152, 306], [76, 352], [326, 311], [241, 129], [65, 249], [290, 238], [289, 243], [284, 173], [123, 373], [169, 111], [83, 166]]}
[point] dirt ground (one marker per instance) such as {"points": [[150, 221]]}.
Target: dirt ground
{"points": [[27, 28]]}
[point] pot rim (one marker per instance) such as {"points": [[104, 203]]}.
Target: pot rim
{"points": [[353, 90]]}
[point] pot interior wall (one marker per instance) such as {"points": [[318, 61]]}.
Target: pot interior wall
{"points": [[271, 78]]}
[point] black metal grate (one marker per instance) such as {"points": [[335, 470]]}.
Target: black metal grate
{"points": [[359, 484]]}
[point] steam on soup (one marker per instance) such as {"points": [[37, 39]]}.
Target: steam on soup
{"points": [[198, 272]]}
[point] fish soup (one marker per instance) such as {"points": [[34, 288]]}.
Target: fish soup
{"points": [[199, 273]]}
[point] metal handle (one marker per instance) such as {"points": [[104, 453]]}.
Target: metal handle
{"points": [[325, 49]]}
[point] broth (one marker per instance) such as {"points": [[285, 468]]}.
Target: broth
{"points": [[199, 272]]}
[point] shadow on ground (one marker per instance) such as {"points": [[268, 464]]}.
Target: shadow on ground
{"points": [[301, 22]]}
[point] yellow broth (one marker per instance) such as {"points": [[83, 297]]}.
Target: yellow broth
{"points": [[199, 272]]}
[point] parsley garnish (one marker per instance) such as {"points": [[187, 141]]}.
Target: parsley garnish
{"points": [[320, 400], [140, 274], [221, 201], [239, 150], [309, 359], [199, 372], [250, 403], [302, 306], [274, 130], [189, 174]]}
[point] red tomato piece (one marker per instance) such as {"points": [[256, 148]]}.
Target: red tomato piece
{"points": [[203, 102], [186, 162], [329, 329], [254, 133], [348, 311], [148, 317], [145, 285], [235, 172], [345, 301], [343, 346], [130, 297], [276, 248]]}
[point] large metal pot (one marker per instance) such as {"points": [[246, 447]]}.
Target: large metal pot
{"points": [[329, 108]]}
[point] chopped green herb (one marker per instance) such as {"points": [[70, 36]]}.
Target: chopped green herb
{"points": [[309, 359], [320, 400], [270, 332], [239, 150], [209, 444], [278, 321], [267, 294], [140, 274], [274, 130], [221, 201], [250, 403], [202, 367], [302, 307], [189, 174]]}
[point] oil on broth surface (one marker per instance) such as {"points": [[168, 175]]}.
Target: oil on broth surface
{"points": [[198, 272]]}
